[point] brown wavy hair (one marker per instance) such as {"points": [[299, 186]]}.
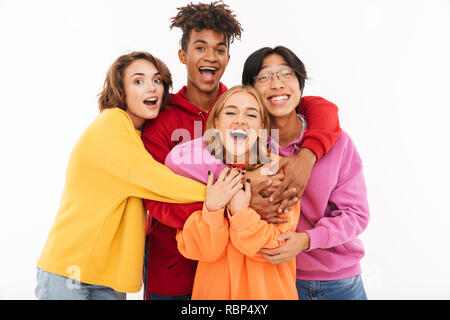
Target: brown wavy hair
{"points": [[113, 93], [214, 16]]}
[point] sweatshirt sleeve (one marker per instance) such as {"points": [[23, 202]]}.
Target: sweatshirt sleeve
{"points": [[323, 124], [192, 160], [204, 236], [156, 139], [152, 180], [112, 146], [349, 214], [249, 234]]}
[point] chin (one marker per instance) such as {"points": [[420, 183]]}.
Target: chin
{"points": [[152, 115], [209, 87], [274, 112]]}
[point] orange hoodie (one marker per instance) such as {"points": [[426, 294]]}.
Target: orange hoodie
{"points": [[229, 265]]}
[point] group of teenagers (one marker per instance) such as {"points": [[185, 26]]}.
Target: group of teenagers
{"points": [[247, 193]]}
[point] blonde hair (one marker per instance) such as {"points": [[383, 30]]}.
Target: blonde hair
{"points": [[212, 138]]}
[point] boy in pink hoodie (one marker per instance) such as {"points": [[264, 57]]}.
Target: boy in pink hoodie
{"points": [[334, 205]]}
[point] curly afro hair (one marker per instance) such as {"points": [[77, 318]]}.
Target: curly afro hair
{"points": [[215, 16]]}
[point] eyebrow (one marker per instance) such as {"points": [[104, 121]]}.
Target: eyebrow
{"points": [[143, 74], [204, 42]]}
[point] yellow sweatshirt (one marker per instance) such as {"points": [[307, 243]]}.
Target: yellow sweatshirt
{"points": [[98, 235]]}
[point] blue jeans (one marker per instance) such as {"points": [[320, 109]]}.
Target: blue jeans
{"points": [[159, 297], [51, 286], [345, 289]]}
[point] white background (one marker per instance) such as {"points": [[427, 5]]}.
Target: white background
{"points": [[384, 63]]}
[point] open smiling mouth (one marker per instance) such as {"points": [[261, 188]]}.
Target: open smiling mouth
{"points": [[208, 73], [278, 99], [238, 135], [151, 101]]}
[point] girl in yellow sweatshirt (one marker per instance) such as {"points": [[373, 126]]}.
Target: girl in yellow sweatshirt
{"points": [[95, 248], [226, 236]]}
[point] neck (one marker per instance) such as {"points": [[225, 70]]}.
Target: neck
{"points": [[290, 127], [137, 121], [203, 100]]}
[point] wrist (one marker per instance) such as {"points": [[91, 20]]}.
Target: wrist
{"points": [[212, 208], [308, 155], [304, 240]]}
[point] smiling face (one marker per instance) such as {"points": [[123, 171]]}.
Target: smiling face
{"points": [[239, 122], [206, 58], [281, 95], [144, 91]]}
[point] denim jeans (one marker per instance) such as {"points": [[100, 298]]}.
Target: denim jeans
{"points": [[159, 297], [345, 289], [51, 286]]}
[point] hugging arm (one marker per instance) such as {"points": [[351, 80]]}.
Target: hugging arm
{"points": [[323, 130]]}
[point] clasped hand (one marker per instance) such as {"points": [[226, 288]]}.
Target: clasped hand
{"points": [[227, 191]]}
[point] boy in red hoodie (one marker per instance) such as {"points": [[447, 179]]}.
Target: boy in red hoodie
{"points": [[208, 30]]}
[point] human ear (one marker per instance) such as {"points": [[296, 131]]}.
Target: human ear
{"points": [[182, 56]]}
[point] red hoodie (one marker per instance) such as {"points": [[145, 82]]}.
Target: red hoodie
{"points": [[168, 272]]}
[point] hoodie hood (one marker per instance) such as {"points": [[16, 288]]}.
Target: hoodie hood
{"points": [[179, 100]]}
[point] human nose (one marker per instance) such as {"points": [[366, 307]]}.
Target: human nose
{"points": [[239, 119], [275, 81], [210, 55], [151, 86]]}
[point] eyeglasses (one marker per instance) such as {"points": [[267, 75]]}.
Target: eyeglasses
{"points": [[282, 75]]}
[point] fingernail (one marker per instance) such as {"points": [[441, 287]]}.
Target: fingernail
{"points": [[243, 173], [209, 172], [248, 180]]}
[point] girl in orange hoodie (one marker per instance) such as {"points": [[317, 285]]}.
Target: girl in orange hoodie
{"points": [[226, 235]]}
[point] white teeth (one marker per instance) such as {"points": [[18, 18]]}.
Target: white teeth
{"points": [[152, 100], [239, 134], [208, 69], [279, 98]]}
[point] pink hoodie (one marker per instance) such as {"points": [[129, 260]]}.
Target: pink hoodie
{"points": [[334, 206]]}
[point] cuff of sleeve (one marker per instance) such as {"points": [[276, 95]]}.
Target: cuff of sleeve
{"points": [[314, 146], [243, 219], [215, 219], [318, 238]]}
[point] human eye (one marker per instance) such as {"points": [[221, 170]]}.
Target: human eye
{"points": [[287, 73], [253, 115], [221, 51], [263, 77], [138, 81], [200, 48], [157, 80]]}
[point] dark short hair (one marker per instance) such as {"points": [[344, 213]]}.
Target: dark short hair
{"points": [[254, 62], [113, 93], [214, 16]]}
